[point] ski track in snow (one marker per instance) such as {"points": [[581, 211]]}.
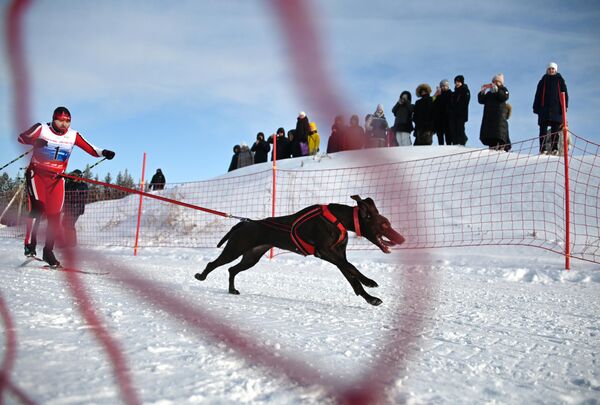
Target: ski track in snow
{"points": [[503, 326]]}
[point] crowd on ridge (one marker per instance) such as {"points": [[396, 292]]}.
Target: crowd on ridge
{"points": [[443, 114]]}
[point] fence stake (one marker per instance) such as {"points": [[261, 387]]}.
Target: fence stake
{"points": [[274, 183], [565, 129], [139, 218]]}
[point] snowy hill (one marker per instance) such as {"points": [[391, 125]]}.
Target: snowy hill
{"points": [[458, 325]]}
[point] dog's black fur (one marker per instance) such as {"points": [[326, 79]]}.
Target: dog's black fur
{"points": [[251, 239]]}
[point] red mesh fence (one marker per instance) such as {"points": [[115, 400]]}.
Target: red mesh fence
{"points": [[470, 198]]}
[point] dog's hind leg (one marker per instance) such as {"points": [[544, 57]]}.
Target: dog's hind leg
{"points": [[229, 254], [249, 259]]}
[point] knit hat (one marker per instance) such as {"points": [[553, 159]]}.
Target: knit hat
{"points": [[445, 82], [500, 77], [553, 65], [77, 173], [280, 130], [460, 79], [302, 114], [61, 113]]}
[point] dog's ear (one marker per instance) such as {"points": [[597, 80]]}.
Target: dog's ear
{"points": [[356, 197]]}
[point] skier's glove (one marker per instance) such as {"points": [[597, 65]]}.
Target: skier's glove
{"points": [[40, 143], [109, 154]]}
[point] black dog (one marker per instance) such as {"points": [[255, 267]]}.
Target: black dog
{"points": [[319, 230]]}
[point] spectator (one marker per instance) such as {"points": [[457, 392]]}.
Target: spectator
{"points": [[283, 144], [423, 115], [441, 112], [300, 142], [158, 180], [234, 159], [355, 135], [52, 146], [260, 148], [459, 111], [336, 139], [377, 127], [245, 157], [314, 139], [403, 123], [548, 108], [74, 206], [494, 126]]}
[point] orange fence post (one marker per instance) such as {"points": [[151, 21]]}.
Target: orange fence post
{"points": [[273, 196], [139, 218], [565, 130]]}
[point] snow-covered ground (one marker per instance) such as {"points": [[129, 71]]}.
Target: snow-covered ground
{"points": [[499, 326], [468, 325]]}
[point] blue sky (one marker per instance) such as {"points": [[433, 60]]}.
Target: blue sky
{"points": [[185, 81]]}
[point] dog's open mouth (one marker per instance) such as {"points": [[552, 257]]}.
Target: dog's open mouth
{"points": [[388, 239]]}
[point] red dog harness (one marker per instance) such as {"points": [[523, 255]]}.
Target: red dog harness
{"points": [[308, 249]]}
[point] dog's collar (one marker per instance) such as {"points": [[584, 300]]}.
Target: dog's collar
{"points": [[356, 221]]}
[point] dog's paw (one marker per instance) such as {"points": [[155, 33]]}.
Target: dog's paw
{"points": [[234, 291], [370, 283], [374, 301], [200, 276]]}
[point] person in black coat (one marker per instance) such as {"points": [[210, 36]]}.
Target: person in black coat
{"points": [[76, 192], [299, 144], [459, 111], [423, 115], [283, 145], [548, 108], [494, 126], [260, 148], [336, 141], [234, 159], [158, 180], [441, 112], [403, 122]]}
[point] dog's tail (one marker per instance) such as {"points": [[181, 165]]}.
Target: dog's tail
{"points": [[228, 234]]}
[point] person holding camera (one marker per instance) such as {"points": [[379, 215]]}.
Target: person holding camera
{"points": [[260, 148], [52, 146], [441, 112], [494, 126]]}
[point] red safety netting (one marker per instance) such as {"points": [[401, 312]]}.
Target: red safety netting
{"points": [[470, 198]]}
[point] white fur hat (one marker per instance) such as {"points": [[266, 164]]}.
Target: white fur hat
{"points": [[500, 77], [302, 114], [553, 65]]}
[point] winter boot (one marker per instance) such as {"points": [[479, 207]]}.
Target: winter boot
{"points": [[30, 250], [49, 258]]}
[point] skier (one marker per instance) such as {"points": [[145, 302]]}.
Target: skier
{"points": [[53, 143]]}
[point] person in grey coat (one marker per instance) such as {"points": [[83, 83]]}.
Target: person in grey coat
{"points": [[494, 126]]}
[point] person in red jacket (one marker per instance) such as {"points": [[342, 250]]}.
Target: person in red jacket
{"points": [[52, 146]]}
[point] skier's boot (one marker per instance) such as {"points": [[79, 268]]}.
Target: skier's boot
{"points": [[30, 250], [49, 258]]}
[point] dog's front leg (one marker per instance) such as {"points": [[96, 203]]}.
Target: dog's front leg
{"points": [[349, 272]]}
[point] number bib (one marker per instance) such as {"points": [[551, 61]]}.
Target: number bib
{"points": [[54, 156]]}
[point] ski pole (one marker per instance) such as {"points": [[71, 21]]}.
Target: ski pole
{"points": [[97, 163], [17, 158]]}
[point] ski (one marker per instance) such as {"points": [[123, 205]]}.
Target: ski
{"points": [[59, 268], [73, 270], [30, 259]]}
